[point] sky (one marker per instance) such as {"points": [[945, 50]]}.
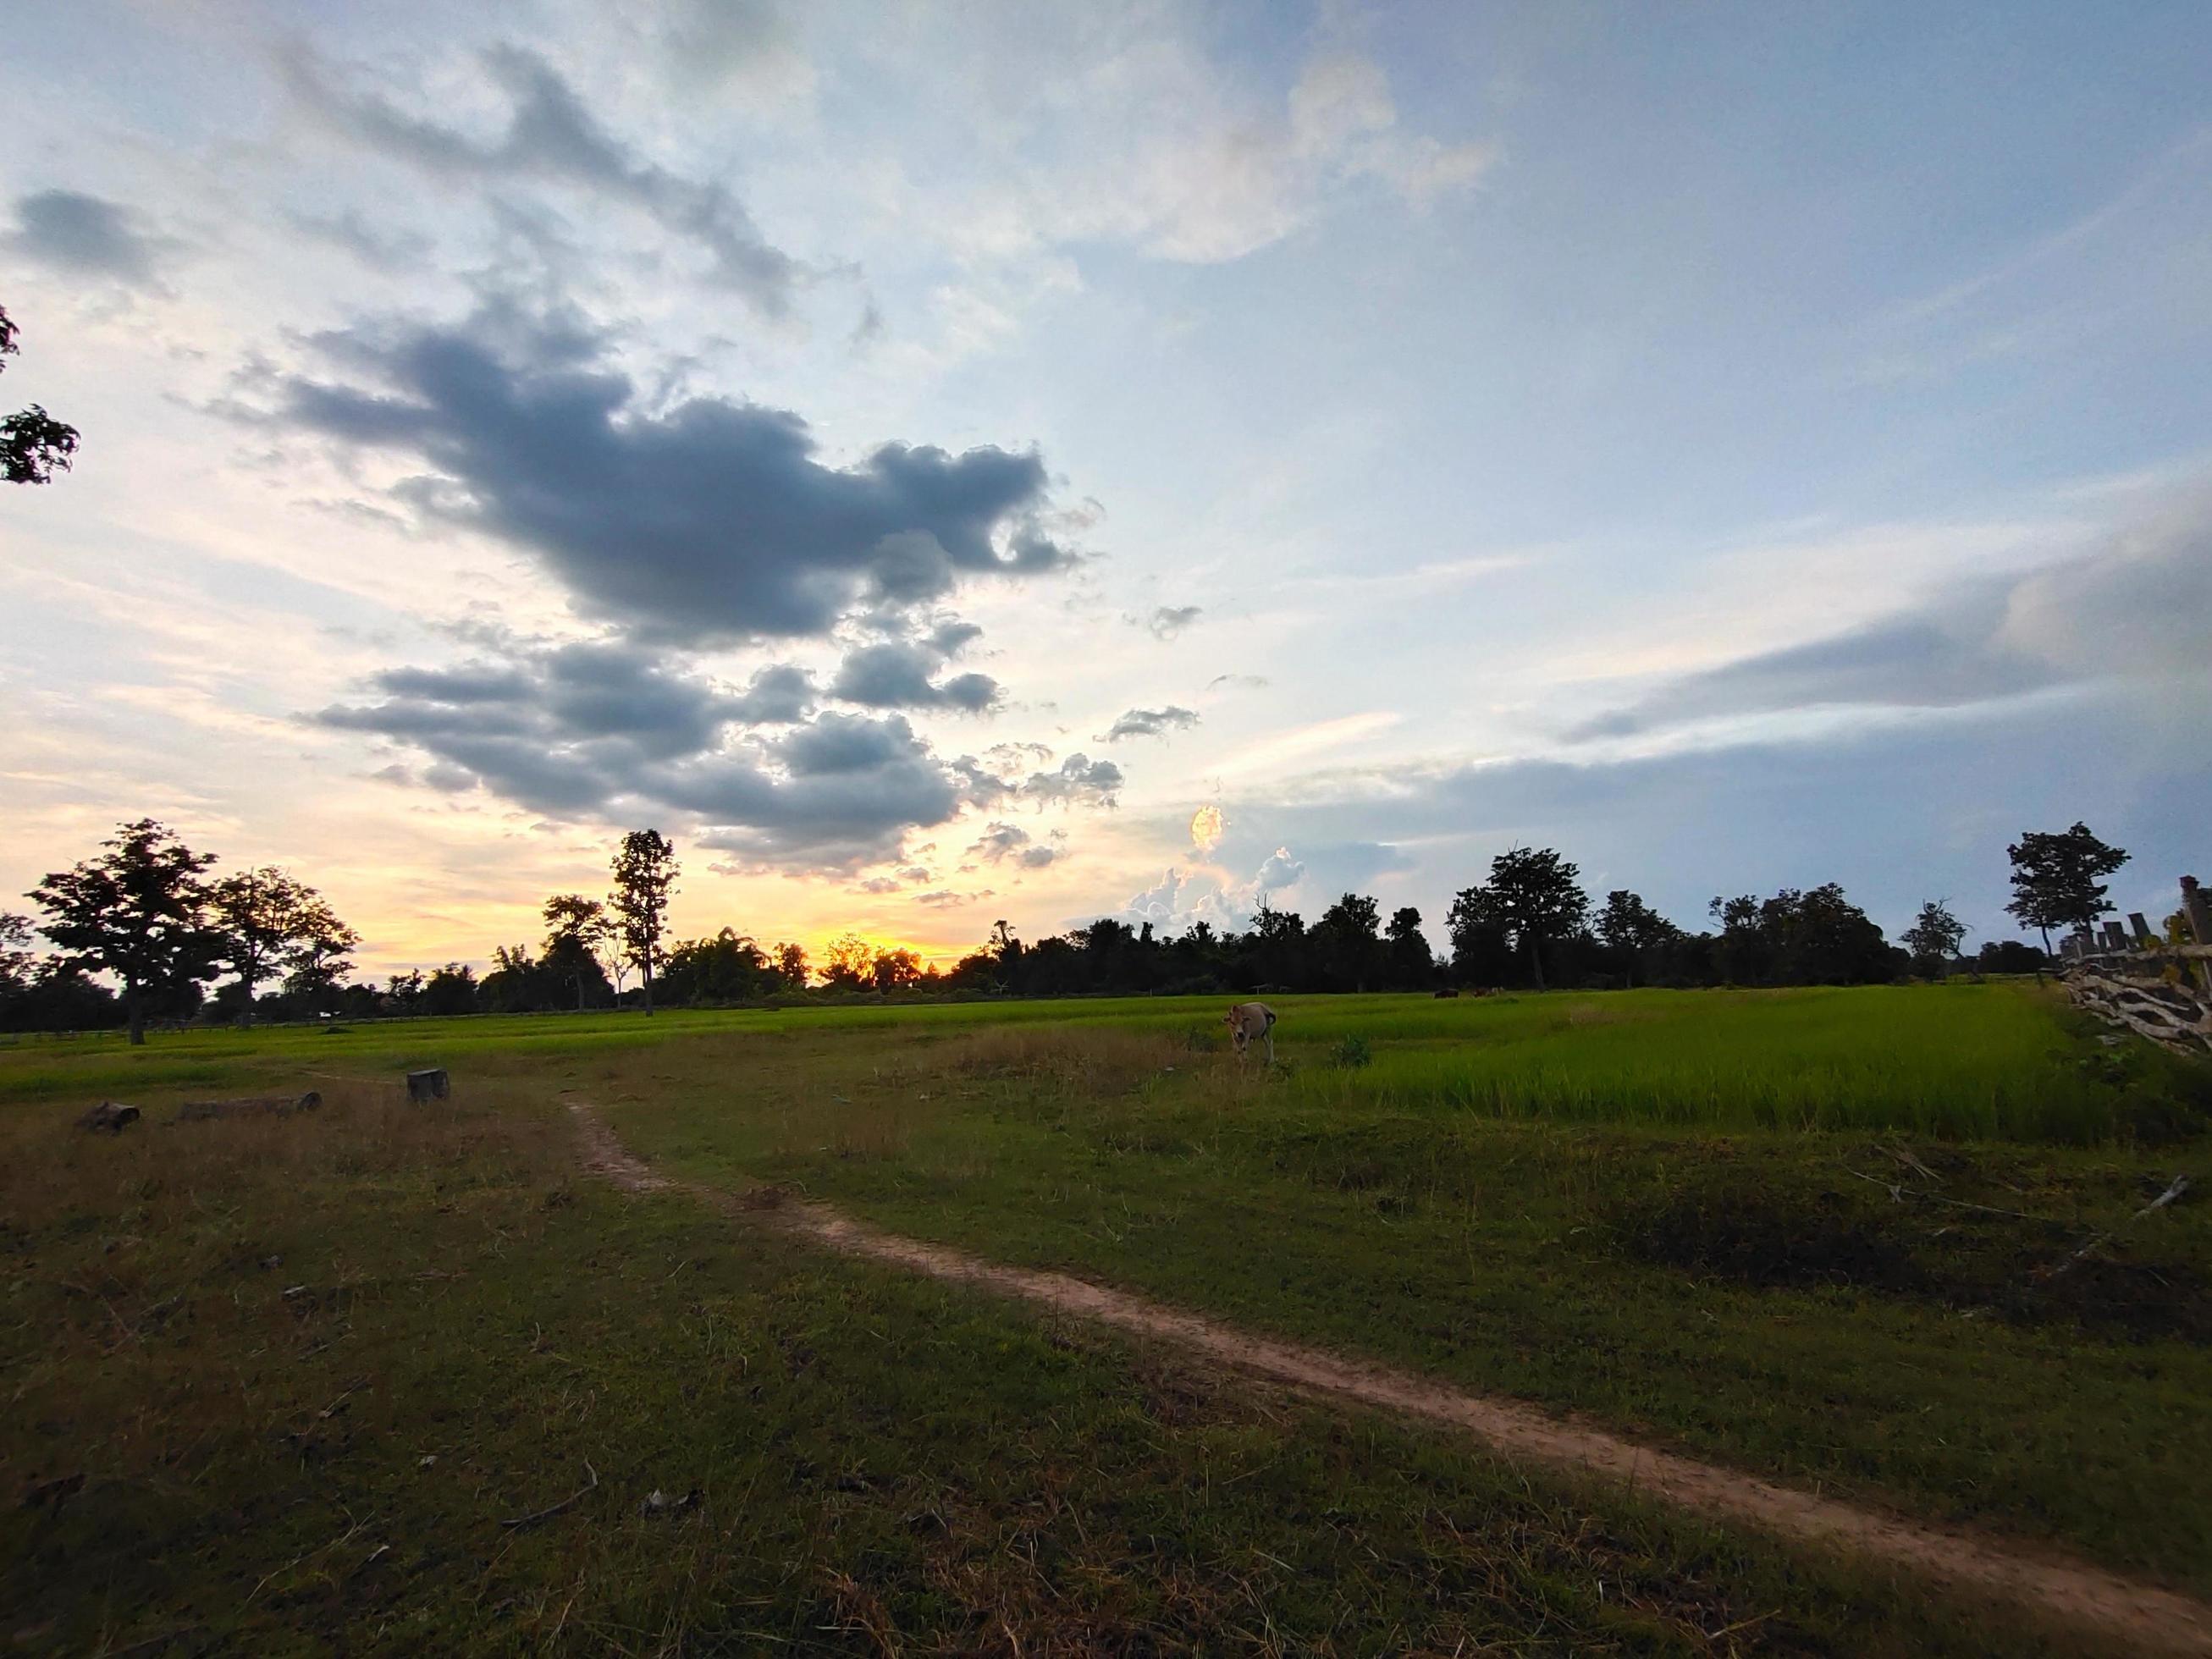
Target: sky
{"points": [[941, 463]]}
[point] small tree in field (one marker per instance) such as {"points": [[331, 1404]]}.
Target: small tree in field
{"points": [[2057, 879], [135, 912], [1933, 938], [645, 876]]}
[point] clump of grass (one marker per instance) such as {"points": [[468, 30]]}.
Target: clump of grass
{"points": [[1350, 1054]]}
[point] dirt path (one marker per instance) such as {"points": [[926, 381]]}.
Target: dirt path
{"points": [[2152, 1619]]}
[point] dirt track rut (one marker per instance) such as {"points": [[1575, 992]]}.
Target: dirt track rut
{"points": [[2056, 1587]]}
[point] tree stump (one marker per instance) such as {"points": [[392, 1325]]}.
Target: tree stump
{"points": [[109, 1117], [430, 1084]]}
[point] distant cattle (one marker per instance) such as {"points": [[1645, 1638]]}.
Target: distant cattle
{"points": [[1448, 991], [1248, 1022]]}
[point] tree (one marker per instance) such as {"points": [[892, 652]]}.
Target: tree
{"points": [[1482, 949], [791, 965], [645, 876], [1347, 942], [33, 443], [576, 929], [1630, 927], [1813, 937], [16, 963], [452, 989], [135, 912], [516, 984], [403, 992], [259, 916], [1933, 938], [1533, 895], [851, 963], [725, 968], [317, 956], [1412, 965], [894, 970], [2056, 880], [2009, 956]]}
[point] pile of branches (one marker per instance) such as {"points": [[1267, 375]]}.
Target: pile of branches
{"points": [[2176, 1017]]}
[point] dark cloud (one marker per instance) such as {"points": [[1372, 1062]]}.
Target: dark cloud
{"points": [[1917, 663], [1001, 841], [982, 785], [953, 637], [778, 695], [86, 236], [1079, 781], [2139, 608], [707, 520], [1150, 723], [996, 779], [1168, 621], [550, 135], [895, 675], [598, 731]]}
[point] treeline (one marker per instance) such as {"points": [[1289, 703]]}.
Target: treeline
{"points": [[1530, 926], [141, 930]]}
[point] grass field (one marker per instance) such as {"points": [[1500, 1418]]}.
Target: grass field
{"points": [[1672, 1214]]}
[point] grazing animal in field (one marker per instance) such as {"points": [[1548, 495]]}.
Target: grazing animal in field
{"points": [[1448, 991], [1248, 1022]]}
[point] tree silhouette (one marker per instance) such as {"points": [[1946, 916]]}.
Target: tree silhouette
{"points": [[1935, 937], [316, 959], [1412, 965], [852, 964], [2056, 880], [1349, 941], [259, 917], [1533, 895], [645, 876], [137, 912], [1629, 927], [791, 965], [577, 928], [33, 443]]}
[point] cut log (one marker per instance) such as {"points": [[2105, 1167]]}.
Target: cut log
{"points": [[429, 1084]]}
